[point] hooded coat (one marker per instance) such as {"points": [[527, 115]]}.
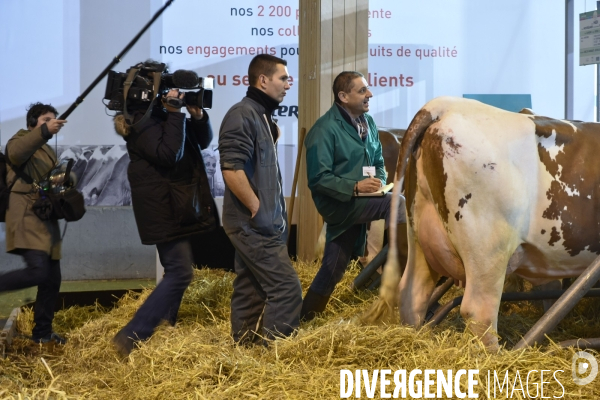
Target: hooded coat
{"points": [[24, 230], [170, 192]]}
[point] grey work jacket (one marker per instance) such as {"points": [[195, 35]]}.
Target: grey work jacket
{"points": [[246, 142]]}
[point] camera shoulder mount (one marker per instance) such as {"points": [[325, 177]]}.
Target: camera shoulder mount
{"points": [[132, 74]]}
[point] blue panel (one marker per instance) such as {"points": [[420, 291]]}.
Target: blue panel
{"points": [[509, 102]]}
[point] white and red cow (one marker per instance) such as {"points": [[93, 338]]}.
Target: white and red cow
{"points": [[490, 192]]}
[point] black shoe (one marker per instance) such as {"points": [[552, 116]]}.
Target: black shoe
{"points": [[51, 337], [123, 344], [312, 304]]}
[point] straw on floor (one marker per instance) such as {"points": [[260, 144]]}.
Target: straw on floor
{"points": [[198, 359]]}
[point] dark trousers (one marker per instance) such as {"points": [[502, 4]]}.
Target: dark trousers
{"points": [[338, 252], [266, 286], [164, 301], [43, 272]]}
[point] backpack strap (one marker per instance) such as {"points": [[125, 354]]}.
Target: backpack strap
{"points": [[19, 171], [21, 174]]}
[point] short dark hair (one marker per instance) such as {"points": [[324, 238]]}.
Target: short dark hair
{"points": [[36, 110], [263, 64], [343, 83]]}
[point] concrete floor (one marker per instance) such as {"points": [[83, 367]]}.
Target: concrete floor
{"points": [[18, 298]]}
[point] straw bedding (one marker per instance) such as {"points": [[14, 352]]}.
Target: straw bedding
{"points": [[198, 360]]}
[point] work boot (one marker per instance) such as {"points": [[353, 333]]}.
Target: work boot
{"points": [[312, 304], [123, 343], [52, 337]]}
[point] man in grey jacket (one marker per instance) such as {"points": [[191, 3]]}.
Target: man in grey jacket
{"points": [[254, 214]]}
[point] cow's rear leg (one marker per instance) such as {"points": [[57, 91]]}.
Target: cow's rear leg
{"points": [[417, 284], [481, 301]]}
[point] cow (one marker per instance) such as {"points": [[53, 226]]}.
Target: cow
{"points": [[488, 193], [390, 139]]}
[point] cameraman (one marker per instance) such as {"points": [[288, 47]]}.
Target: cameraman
{"points": [[37, 241], [167, 175]]}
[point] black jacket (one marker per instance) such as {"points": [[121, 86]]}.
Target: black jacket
{"points": [[170, 192]]}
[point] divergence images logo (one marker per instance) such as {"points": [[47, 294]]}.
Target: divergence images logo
{"points": [[583, 363]]}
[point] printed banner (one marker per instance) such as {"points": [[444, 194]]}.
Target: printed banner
{"points": [[417, 51]]}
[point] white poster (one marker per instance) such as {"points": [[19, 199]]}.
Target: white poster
{"points": [[589, 38]]}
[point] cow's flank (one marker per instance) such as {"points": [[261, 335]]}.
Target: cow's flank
{"points": [[569, 152]]}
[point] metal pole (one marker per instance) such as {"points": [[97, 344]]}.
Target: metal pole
{"points": [[597, 81], [443, 311], [294, 183], [590, 343], [440, 291], [369, 274], [569, 56], [114, 62], [561, 308], [433, 305]]}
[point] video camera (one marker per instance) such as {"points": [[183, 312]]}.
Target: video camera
{"points": [[144, 82]]}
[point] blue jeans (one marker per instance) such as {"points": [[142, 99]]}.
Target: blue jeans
{"points": [[164, 301], [43, 272], [338, 252]]}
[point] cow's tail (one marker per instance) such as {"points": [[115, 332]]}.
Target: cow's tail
{"points": [[383, 307]]}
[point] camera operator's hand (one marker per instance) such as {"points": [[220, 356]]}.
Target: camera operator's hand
{"points": [[54, 125], [172, 93], [195, 111]]}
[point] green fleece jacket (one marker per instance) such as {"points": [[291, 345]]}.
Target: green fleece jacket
{"points": [[335, 157]]}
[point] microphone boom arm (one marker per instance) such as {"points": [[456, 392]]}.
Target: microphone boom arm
{"points": [[114, 62]]}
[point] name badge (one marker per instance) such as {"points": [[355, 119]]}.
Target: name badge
{"points": [[369, 171]]}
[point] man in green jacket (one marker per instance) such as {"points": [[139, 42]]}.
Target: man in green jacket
{"points": [[343, 158]]}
